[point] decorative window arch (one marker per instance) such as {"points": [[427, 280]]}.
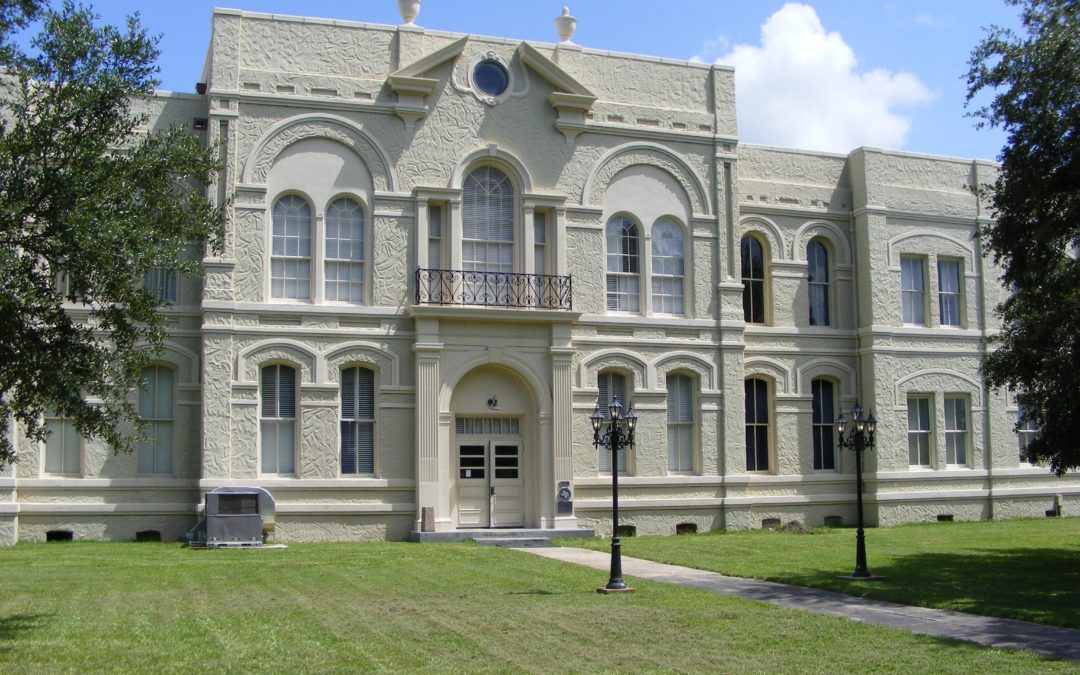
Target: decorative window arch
{"points": [[623, 265], [817, 277], [753, 271], [668, 268], [290, 253]]}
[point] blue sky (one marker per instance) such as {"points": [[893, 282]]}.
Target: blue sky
{"points": [[819, 75]]}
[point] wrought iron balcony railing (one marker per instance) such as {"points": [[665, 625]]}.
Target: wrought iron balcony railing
{"points": [[493, 289]]}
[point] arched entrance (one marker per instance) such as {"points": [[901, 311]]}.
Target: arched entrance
{"points": [[493, 450]]}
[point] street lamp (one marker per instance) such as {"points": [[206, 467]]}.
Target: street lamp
{"points": [[618, 435], [859, 437]]}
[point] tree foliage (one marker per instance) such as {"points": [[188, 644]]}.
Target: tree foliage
{"points": [[90, 196], [1034, 79]]}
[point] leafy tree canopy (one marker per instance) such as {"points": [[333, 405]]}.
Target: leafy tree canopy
{"points": [[90, 197], [1034, 79]]}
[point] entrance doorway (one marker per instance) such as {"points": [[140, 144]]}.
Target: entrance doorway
{"points": [[489, 468]]}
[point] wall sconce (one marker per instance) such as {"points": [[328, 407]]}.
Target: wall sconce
{"points": [[493, 402]]}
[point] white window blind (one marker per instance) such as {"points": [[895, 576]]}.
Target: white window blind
{"points": [[278, 419], [680, 423]]}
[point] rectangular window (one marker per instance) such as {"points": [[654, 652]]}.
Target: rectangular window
{"points": [[63, 449], [824, 415], [913, 290], [1025, 432], [680, 424], [757, 425], [540, 242], [949, 292], [156, 409], [918, 415], [358, 421], [611, 385], [435, 216], [162, 283], [277, 423], [956, 430]]}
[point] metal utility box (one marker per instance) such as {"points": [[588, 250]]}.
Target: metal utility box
{"points": [[234, 516]]}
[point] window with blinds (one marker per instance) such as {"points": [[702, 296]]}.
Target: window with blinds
{"points": [[277, 419], [611, 385], [667, 268], [156, 409], [623, 266], [680, 424], [344, 261], [357, 421], [487, 237]]}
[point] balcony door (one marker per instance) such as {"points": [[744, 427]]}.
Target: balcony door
{"points": [[487, 238]]}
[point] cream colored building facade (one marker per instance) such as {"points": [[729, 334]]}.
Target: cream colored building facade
{"points": [[443, 248]]}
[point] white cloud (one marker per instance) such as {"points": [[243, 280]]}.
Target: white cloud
{"points": [[801, 88]]}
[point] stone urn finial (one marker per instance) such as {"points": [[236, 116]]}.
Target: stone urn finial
{"points": [[409, 10], [565, 26]]}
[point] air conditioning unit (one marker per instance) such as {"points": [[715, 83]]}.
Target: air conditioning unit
{"points": [[234, 516]]}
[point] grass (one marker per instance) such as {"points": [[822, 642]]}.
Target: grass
{"points": [[114, 607], [1016, 569]]}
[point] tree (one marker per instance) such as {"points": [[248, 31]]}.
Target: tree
{"points": [[88, 197], [1035, 239]]}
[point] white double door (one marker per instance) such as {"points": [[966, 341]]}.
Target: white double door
{"points": [[489, 482]]}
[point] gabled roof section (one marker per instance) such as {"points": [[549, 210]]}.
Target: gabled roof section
{"points": [[410, 78], [563, 82]]}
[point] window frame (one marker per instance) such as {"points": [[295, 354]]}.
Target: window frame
{"points": [[633, 277], [824, 287], [325, 261], [156, 421], [823, 424], [676, 279], [752, 283], [603, 454], [956, 429], [67, 427], [369, 422], [278, 421], [908, 296], [925, 433], [954, 296], [1025, 433], [312, 248], [680, 460], [762, 448]]}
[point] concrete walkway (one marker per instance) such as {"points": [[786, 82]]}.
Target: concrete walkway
{"points": [[1060, 643]]}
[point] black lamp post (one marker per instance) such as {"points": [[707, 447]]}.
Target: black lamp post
{"points": [[619, 435], [859, 438]]}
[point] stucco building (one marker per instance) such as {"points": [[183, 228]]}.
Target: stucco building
{"points": [[444, 248]]}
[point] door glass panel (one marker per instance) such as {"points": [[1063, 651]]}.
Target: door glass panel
{"points": [[471, 461], [506, 461]]}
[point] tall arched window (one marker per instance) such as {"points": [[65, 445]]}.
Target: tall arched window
{"points": [[817, 275], [357, 421], [757, 424], [487, 241], [611, 385], [667, 268], [277, 419], [156, 409], [290, 257], [344, 251], [824, 414], [623, 266], [753, 278], [680, 423]]}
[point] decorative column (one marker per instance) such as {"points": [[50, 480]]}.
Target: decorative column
{"points": [[562, 441], [428, 351]]}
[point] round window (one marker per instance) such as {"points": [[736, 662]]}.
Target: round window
{"points": [[491, 77]]}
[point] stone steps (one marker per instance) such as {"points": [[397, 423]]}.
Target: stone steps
{"points": [[513, 542], [491, 534]]}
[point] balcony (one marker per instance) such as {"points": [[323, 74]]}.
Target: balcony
{"points": [[493, 289]]}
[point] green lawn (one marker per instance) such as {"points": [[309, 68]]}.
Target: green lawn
{"points": [[411, 607], [1018, 569]]}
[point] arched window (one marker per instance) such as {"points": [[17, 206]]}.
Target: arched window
{"points": [[680, 423], [357, 421], [290, 257], [667, 268], [824, 414], [345, 251], [277, 419], [487, 242], [757, 424], [753, 278], [611, 385], [156, 409], [817, 275], [623, 266]]}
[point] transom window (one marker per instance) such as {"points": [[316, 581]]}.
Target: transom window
{"points": [[680, 423], [753, 278], [290, 259], [277, 419], [357, 421], [757, 424], [668, 269], [918, 415], [623, 266], [817, 275], [824, 414], [611, 385], [345, 251], [156, 409]]}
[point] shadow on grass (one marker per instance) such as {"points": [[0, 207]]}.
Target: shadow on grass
{"points": [[19, 626], [1031, 584]]}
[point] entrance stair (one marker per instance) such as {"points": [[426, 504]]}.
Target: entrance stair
{"points": [[509, 537]]}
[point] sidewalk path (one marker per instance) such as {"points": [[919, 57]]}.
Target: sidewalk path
{"points": [[1061, 643]]}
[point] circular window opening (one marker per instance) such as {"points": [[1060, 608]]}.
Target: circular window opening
{"points": [[491, 77]]}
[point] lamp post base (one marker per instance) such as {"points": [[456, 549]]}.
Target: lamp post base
{"points": [[855, 577], [608, 591]]}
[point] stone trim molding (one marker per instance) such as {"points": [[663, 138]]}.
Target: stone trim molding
{"points": [[649, 154]]}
